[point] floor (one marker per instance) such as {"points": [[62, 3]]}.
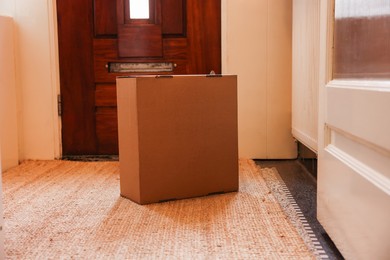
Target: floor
{"points": [[299, 176], [303, 187]]}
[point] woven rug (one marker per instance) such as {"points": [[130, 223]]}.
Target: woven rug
{"points": [[72, 210]]}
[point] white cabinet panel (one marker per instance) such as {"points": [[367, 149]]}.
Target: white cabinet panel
{"points": [[305, 70]]}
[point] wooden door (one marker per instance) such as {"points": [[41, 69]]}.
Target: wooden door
{"points": [[98, 41]]}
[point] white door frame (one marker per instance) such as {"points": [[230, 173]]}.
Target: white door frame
{"points": [[55, 75]]}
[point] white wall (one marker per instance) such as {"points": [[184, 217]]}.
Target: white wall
{"points": [[7, 83], [306, 15], [36, 77], [256, 45], [8, 105]]}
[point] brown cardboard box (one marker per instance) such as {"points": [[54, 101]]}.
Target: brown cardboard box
{"points": [[177, 136]]}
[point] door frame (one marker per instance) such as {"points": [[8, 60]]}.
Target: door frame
{"points": [[55, 75], [55, 69]]}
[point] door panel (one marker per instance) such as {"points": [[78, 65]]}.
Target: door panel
{"points": [[204, 41], [184, 33], [140, 41], [173, 17], [106, 129], [139, 37], [106, 117], [104, 18], [354, 141], [105, 95], [76, 76]]}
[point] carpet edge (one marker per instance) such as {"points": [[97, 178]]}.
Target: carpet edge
{"points": [[292, 210]]}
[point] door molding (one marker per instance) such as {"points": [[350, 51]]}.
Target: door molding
{"points": [[54, 75], [370, 85], [325, 65]]}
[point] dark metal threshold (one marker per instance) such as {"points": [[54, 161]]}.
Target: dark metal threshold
{"points": [[90, 158]]}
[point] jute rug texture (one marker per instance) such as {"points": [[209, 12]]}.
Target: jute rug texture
{"points": [[72, 210]]}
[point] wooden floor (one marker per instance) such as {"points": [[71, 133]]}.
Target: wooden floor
{"points": [[303, 187]]}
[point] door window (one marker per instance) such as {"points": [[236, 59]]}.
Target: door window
{"points": [[139, 9], [362, 39]]}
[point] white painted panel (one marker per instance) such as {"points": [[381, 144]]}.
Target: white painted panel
{"points": [[256, 46], [245, 52], [361, 110], [280, 142], [305, 71], [8, 103], [373, 159], [354, 212]]}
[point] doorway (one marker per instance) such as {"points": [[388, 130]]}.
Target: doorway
{"points": [[100, 40]]}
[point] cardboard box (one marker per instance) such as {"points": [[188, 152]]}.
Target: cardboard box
{"points": [[178, 136]]}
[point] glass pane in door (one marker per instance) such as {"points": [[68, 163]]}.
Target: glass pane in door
{"points": [[362, 39], [139, 9]]}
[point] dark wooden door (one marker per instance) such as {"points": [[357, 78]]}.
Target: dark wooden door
{"points": [[98, 41]]}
